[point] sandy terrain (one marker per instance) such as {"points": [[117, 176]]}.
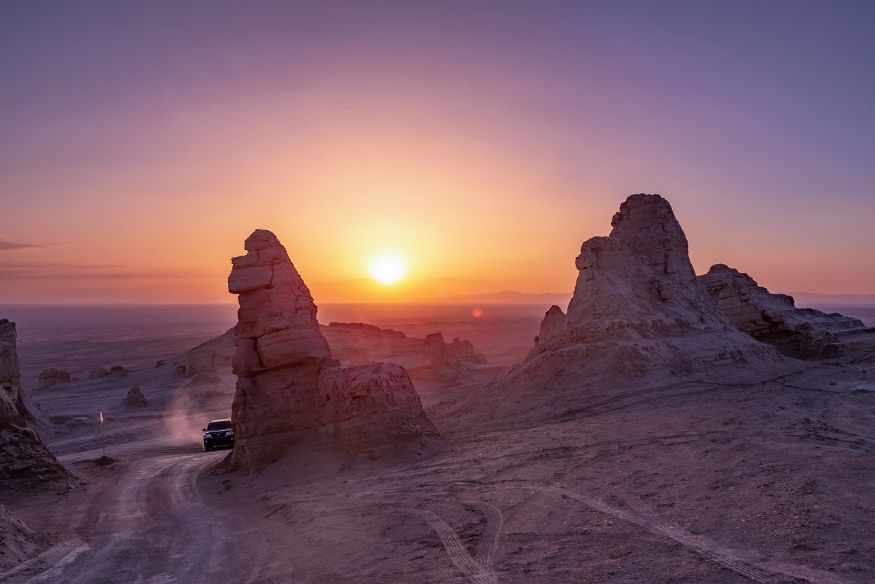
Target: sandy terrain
{"points": [[770, 481]]}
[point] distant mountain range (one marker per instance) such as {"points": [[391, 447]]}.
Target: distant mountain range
{"points": [[807, 298], [803, 299], [508, 297]]}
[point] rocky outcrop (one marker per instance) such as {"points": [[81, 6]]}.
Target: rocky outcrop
{"points": [[135, 398], [99, 373], [205, 366], [639, 279], [450, 359], [370, 409], [552, 327], [364, 329], [52, 376], [24, 459], [287, 377], [356, 343], [103, 372], [11, 401], [803, 333], [638, 308], [211, 356]]}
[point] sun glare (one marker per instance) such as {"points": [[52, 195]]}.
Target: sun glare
{"points": [[387, 269]]}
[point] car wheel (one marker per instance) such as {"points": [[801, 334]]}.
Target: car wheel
{"points": [[207, 448]]}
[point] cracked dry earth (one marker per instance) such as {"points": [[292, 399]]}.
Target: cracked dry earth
{"points": [[683, 483]]}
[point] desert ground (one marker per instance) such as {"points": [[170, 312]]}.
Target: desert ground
{"points": [[767, 481], [666, 427]]}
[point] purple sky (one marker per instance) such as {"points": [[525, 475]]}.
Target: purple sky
{"points": [[755, 119]]}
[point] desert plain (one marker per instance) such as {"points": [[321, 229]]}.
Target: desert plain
{"points": [[663, 428]]}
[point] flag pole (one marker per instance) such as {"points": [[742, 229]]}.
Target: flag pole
{"points": [[102, 441]]}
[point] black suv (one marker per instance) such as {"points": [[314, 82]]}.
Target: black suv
{"points": [[218, 433]]}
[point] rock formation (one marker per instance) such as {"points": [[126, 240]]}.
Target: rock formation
{"points": [[427, 360], [290, 391], [135, 398], [449, 360], [356, 343], [103, 372], [552, 327], [637, 306], [99, 373], [118, 371], [773, 318], [211, 356], [24, 458], [52, 376], [367, 329], [639, 278], [369, 409]]}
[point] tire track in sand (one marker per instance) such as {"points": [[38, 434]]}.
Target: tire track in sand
{"points": [[740, 562], [488, 544], [48, 563], [477, 571], [722, 555]]}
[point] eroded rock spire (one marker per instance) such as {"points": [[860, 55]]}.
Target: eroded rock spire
{"points": [[24, 458], [290, 392]]}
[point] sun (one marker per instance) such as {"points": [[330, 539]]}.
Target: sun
{"points": [[387, 269]]}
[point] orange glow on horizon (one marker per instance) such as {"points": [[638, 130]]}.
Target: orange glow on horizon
{"points": [[387, 269], [478, 204]]}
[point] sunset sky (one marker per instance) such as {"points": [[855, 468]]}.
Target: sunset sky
{"points": [[481, 143]]}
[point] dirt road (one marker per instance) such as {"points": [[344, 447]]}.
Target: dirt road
{"points": [[149, 524]]}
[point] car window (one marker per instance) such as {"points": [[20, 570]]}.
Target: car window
{"points": [[224, 425]]}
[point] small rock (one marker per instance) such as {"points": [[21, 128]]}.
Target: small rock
{"points": [[98, 373], [135, 398], [52, 376], [118, 371]]}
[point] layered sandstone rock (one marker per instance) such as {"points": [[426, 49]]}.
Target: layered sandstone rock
{"points": [[639, 278], [369, 409], [773, 318], [637, 306], [552, 327], [211, 356], [287, 377], [24, 458]]}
